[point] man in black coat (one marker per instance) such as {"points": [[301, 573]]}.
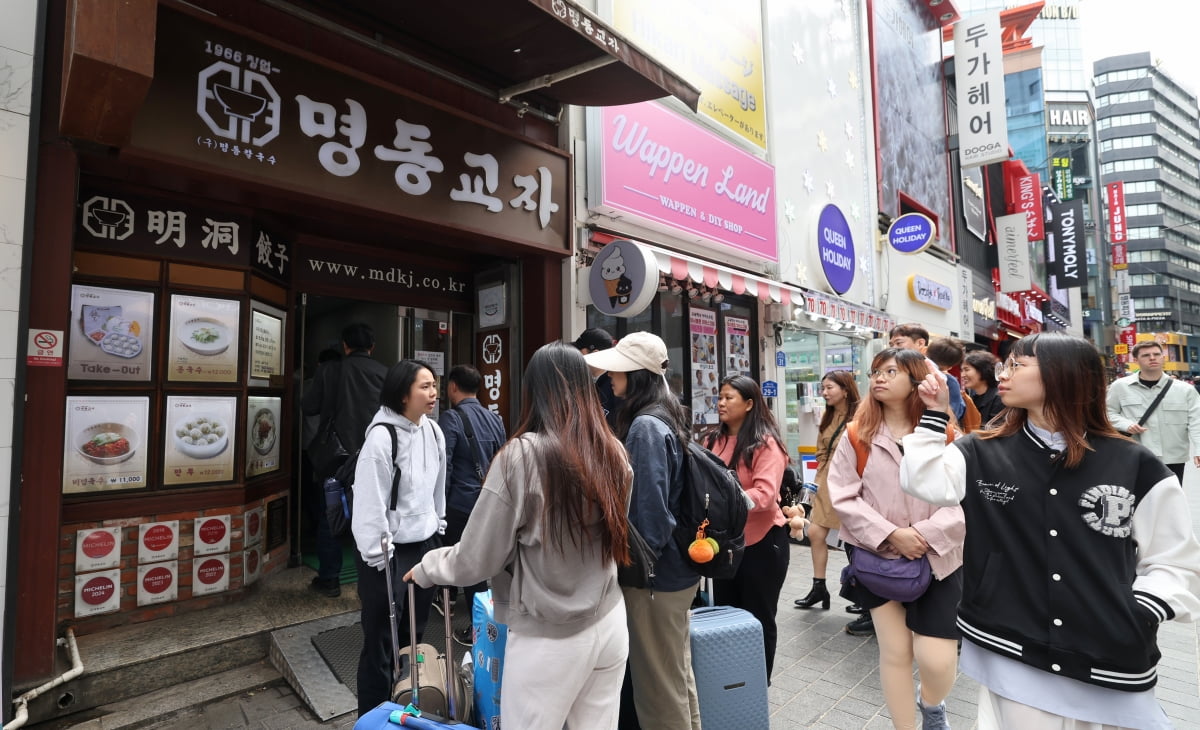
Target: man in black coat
{"points": [[345, 393]]}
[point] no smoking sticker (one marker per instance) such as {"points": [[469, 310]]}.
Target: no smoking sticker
{"points": [[45, 348]]}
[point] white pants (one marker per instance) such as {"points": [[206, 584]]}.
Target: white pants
{"points": [[1001, 713], [573, 681]]}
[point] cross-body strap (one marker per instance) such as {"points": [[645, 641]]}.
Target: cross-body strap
{"points": [[1154, 404], [395, 496], [472, 442]]}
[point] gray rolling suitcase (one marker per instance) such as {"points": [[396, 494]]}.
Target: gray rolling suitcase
{"points": [[730, 668]]}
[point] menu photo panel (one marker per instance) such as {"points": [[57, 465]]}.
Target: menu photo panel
{"points": [[111, 335], [266, 338], [204, 339], [199, 443], [262, 434], [105, 444]]}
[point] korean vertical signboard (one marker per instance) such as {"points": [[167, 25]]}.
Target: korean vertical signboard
{"points": [[1114, 194], [979, 64]]}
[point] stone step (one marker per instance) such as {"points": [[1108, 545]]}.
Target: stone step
{"points": [[137, 659], [157, 708]]}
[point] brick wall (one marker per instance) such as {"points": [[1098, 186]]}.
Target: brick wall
{"points": [[184, 602]]}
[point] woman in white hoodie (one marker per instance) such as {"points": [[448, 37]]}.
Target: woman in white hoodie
{"points": [[413, 514], [549, 530]]}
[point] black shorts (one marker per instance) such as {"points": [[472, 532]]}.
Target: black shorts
{"points": [[933, 614]]}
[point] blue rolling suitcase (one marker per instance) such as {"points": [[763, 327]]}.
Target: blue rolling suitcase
{"points": [[730, 668]]}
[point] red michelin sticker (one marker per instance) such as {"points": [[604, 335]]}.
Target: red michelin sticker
{"points": [[212, 531], [97, 590], [252, 524], [158, 538], [210, 571], [98, 544], [252, 561], [156, 580]]}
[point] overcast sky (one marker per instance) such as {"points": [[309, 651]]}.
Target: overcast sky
{"points": [[1166, 28]]}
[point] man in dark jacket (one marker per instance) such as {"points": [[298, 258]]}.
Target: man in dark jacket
{"points": [[595, 340], [473, 436], [346, 393]]}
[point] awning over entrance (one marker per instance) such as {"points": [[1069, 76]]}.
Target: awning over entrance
{"points": [[552, 47]]}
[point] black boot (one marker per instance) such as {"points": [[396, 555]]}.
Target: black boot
{"points": [[861, 626], [818, 594]]}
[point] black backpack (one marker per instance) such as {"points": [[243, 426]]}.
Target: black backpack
{"points": [[711, 491], [339, 489]]}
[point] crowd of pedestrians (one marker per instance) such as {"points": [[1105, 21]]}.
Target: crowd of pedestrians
{"points": [[1012, 526]]}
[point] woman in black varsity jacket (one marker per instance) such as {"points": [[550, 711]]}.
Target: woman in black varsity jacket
{"points": [[1079, 543]]}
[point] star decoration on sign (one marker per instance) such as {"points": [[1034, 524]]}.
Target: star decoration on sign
{"points": [[831, 87], [808, 182], [845, 7], [789, 211], [797, 53], [864, 263], [853, 79], [856, 211], [829, 190], [822, 141], [849, 159], [801, 274], [849, 131]]}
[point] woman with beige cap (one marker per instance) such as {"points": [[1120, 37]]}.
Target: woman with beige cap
{"points": [[654, 428]]}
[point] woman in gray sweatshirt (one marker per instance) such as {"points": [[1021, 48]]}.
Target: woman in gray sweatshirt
{"points": [[413, 516], [548, 531]]}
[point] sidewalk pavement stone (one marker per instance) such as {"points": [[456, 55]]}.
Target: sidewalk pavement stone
{"points": [[824, 678]]}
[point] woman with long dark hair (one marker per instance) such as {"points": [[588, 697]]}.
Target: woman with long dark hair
{"points": [[841, 400], [654, 428], [548, 531], [748, 441], [979, 383], [877, 517], [1079, 543]]}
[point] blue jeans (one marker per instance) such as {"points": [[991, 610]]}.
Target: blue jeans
{"points": [[329, 548]]}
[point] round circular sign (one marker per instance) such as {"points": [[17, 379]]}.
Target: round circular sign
{"points": [[210, 571], [212, 531], [835, 246], [97, 590], [252, 561], [158, 537], [98, 544], [623, 279], [911, 233], [253, 524], [156, 580]]}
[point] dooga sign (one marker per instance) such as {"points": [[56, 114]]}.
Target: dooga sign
{"points": [[911, 233], [623, 279]]}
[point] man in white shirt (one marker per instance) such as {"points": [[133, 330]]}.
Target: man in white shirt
{"points": [[1172, 431]]}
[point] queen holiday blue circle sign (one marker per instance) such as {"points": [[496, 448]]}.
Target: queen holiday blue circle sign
{"points": [[835, 246]]}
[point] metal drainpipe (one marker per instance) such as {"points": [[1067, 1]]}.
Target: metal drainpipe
{"points": [[22, 702]]}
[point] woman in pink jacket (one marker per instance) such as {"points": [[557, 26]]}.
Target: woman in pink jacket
{"points": [[877, 516], [749, 442]]}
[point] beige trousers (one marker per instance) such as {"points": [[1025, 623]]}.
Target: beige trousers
{"points": [[660, 658]]}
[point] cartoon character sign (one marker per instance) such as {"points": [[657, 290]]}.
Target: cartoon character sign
{"points": [[623, 279], [616, 283]]}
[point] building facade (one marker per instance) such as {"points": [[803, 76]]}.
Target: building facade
{"points": [[1148, 130]]}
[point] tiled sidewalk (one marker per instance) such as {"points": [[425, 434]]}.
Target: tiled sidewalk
{"points": [[824, 678]]}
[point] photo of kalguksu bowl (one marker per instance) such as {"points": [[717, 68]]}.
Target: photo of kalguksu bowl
{"points": [[106, 443], [205, 336]]}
